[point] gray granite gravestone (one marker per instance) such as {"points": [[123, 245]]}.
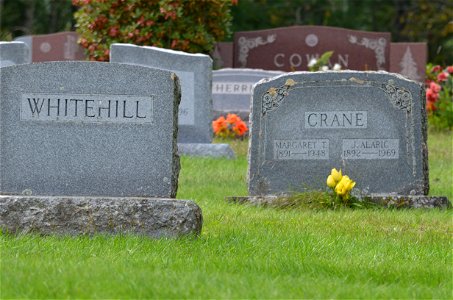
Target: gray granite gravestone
{"points": [[88, 129], [81, 141], [232, 90], [372, 125], [14, 53], [194, 72]]}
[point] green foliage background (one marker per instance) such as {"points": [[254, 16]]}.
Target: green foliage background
{"points": [[190, 26], [428, 21]]}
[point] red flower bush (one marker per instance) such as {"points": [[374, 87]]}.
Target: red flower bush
{"points": [[230, 127], [439, 96], [191, 26]]}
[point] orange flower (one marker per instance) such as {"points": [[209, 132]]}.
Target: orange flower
{"points": [[233, 119], [231, 127], [219, 125], [240, 129]]}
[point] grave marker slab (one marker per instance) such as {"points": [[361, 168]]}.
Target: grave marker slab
{"points": [[232, 90], [54, 47], [372, 125], [88, 129], [409, 60], [152, 217], [195, 74], [14, 53], [223, 55], [291, 48]]}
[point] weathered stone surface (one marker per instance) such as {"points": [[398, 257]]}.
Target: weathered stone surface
{"points": [[88, 129], [92, 215], [232, 90], [292, 48], [208, 150], [195, 75], [372, 125], [14, 53], [410, 201], [58, 46], [409, 60], [390, 201]]}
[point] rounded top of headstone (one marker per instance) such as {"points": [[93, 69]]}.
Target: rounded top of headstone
{"points": [[162, 50], [339, 75], [11, 43], [80, 66]]}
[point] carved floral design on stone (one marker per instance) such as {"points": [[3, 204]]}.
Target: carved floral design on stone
{"points": [[274, 96], [401, 98], [377, 45], [246, 44], [398, 96]]}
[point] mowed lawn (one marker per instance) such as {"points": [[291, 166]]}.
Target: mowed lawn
{"points": [[250, 252]]}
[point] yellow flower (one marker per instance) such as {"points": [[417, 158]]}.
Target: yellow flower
{"points": [[331, 182], [336, 174], [350, 185], [344, 187], [340, 189]]}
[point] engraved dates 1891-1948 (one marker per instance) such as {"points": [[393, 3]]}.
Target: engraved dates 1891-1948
{"points": [[301, 149]]}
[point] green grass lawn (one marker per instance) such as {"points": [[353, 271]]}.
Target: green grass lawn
{"points": [[250, 252]]}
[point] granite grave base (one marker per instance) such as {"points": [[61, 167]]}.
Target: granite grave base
{"points": [[385, 200], [206, 150], [48, 215]]}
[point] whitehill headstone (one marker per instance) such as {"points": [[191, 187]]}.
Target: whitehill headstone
{"points": [[195, 74], [88, 129], [89, 148], [372, 125], [14, 53]]}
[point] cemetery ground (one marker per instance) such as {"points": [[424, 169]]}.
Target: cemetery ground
{"points": [[250, 252]]}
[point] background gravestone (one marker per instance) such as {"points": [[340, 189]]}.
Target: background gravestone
{"points": [[372, 125], [195, 74], [14, 53], [223, 55], [88, 129], [291, 48], [232, 90], [409, 60], [54, 47]]}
